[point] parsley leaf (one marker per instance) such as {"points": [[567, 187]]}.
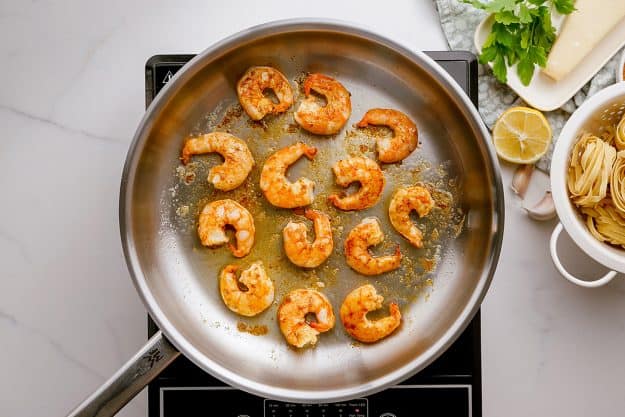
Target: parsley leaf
{"points": [[493, 6], [525, 69], [521, 34], [525, 16], [506, 18], [501, 5], [564, 6], [499, 69]]}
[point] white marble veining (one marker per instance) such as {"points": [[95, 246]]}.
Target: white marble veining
{"points": [[71, 97]]}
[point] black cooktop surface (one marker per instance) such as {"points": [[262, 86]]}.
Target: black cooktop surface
{"points": [[450, 387]]}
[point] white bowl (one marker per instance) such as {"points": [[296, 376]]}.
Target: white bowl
{"points": [[606, 104]]}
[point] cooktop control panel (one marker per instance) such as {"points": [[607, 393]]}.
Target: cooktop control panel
{"points": [[399, 401], [353, 408]]}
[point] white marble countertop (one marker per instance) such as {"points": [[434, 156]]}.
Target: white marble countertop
{"points": [[71, 97]]}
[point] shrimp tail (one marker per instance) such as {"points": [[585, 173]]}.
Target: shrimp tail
{"points": [[317, 326], [334, 198], [320, 326], [231, 269], [394, 309], [186, 156], [310, 152], [235, 251], [363, 123], [307, 85]]}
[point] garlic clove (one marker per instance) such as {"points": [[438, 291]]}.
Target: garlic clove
{"points": [[545, 209], [521, 179]]}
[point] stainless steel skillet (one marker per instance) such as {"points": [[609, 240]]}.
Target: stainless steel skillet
{"points": [[176, 279]]}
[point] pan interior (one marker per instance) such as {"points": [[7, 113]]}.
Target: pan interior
{"points": [[182, 276]]}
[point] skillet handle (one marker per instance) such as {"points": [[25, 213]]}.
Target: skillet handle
{"points": [[142, 368]]}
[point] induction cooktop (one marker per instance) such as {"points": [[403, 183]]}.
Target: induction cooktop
{"points": [[450, 387]]}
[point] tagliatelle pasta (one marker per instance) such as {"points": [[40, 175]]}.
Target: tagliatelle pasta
{"points": [[606, 223], [589, 170], [608, 135], [619, 136], [617, 182], [596, 182]]}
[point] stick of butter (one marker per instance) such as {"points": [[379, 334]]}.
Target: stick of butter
{"points": [[582, 31]]}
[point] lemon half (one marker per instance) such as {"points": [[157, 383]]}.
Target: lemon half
{"points": [[521, 135]]}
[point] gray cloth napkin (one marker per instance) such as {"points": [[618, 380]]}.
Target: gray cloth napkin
{"points": [[459, 21]]}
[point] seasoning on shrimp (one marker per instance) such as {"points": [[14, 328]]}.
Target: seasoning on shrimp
{"points": [[251, 294], [296, 245], [238, 160], [292, 317], [277, 188], [405, 200], [405, 134], [212, 224], [328, 119], [367, 173], [251, 91], [354, 311], [368, 233]]}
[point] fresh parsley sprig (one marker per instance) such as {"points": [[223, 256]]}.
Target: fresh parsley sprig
{"points": [[522, 34]]}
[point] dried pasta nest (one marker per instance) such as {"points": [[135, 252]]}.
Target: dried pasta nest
{"points": [[617, 182], [589, 170], [619, 135], [596, 182], [606, 223]]}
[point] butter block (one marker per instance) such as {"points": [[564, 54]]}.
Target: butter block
{"points": [[581, 32]]}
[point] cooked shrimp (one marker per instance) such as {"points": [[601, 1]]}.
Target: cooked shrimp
{"points": [[277, 188], [253, 296], [368, 233], [251, 88], [405, 200], [296, 245], [328, 119], [238, 160], [354, 315], [292, 317], [405, 134], [367, 173], [213, 220]]}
